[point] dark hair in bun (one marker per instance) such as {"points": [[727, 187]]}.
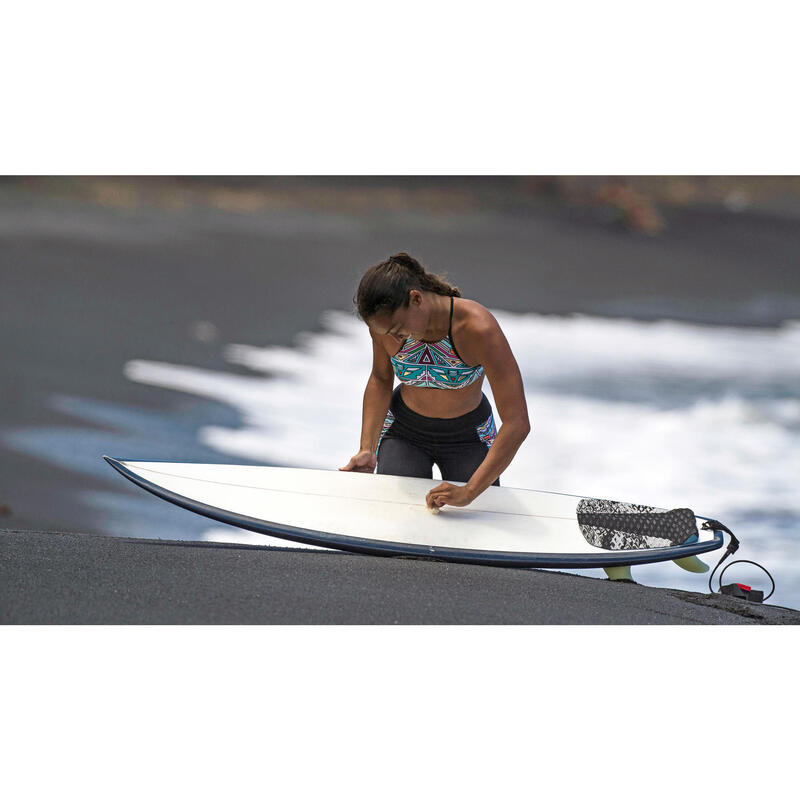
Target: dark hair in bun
{"points": [[384, 287]]}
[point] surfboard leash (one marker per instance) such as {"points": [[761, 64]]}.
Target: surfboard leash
{"points": [[740, 590]]}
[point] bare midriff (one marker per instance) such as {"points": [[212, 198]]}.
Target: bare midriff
{"points": [[442, 403]]}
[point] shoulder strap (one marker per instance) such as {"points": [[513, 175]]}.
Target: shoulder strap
{"points": [[450, 329], [450, 334]]}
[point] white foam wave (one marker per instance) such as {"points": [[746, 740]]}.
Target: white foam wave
{"points": [[547, 346]]}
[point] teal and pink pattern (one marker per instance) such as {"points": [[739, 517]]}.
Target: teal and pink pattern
{"points": [[487, 431], [387, 423], [434, 365]]}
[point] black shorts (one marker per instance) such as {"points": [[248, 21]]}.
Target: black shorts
{"points": [[410, 444]]}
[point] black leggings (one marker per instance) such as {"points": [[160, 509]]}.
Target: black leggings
{"points": [[410, 444]]}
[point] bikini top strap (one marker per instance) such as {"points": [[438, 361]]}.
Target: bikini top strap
{"points": [[450, 334], [450, 329]]}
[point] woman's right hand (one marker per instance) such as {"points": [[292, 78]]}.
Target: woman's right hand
{"points": [[362, 461]]}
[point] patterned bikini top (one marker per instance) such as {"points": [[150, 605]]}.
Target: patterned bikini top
{"points": [[434, 365]]}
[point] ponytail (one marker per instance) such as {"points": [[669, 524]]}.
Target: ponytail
{"points": [[384, 287]]}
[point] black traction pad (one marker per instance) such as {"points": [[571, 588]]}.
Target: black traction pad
{"points": [[625, 526]]}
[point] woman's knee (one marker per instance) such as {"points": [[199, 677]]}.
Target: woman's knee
{"points": [[399, 457], [461, 466]]}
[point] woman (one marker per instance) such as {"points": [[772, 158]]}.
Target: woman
{"points": [[415, 319]]}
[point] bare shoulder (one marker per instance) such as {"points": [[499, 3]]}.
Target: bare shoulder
{"points": [[471, 322], [472, 318]]}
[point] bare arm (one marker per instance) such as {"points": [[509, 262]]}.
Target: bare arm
{"points": [[502, 370], [377, 397]]}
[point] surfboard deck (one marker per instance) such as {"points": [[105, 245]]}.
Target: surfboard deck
{"points": [[387, 515]]}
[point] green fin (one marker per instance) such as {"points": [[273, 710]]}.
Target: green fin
{"points": [[691, 564], [619, 573]]}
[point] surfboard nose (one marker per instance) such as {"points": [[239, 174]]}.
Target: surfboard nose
{"points": [[115, 463]]}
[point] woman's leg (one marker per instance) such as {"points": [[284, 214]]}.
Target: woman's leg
{"points": [[458, 463], [400, 457], [459, 460]]}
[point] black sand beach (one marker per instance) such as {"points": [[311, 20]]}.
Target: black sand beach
{"points": [[62, 578], [86, 286]]}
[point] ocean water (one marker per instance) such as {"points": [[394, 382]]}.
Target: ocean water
{"points": [[662, 413]]}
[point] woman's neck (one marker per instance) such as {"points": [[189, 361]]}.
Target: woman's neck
{"points": [[440, 319]]}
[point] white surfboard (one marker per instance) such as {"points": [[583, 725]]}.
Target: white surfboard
{"points": [[387, 515]]}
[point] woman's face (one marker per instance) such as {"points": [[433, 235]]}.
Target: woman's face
{"points": [[403, 323]]}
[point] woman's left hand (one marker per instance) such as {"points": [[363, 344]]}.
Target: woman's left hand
{"points": [[448, 494]]}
